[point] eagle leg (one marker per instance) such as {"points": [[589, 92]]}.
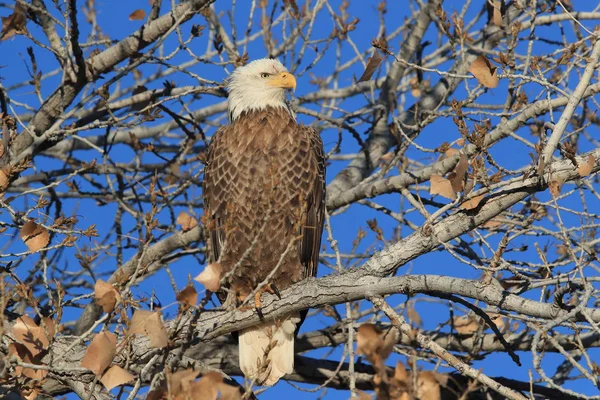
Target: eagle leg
{"points": [[273, 290], [268, 288], [257, 305]]}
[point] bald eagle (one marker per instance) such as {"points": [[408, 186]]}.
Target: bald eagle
{"points": [[264, 192]]}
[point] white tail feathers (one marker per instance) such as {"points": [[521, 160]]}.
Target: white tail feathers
{"points": [[267, 350]]}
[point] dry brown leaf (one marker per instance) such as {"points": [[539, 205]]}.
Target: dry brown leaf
{"points": [[158, 394], [14, 23], [374, 344], [22, 353], [173, 175], [210, 277], [442, 186], [100, 352], [188, 296], [472, 203], [49, 327], [586, 168], [149, 324], [137, 15], [485, 72], [400, 373], [156, 332], [229, 392], [115, 376], [497, 17], [30, 335], [368, 340], [390, 339], [35, 236], [386, 158], [136, 325], [465, 325], [106, 295], [181, 381], [372, 65], [414, 85], [412, 334], [30, 393], [186, 221], [207, 387], [555, 187], [413, 315], [364, 396], [498, 320], [468, 187], [459, 174], [562, 250], [428, 388], [3, 180], [450, 152], [492, 223]]}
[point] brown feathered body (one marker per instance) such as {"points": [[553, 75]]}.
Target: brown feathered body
{"points": [[264, 204]]}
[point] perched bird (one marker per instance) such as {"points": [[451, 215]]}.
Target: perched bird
{"points": [[264, 192]]}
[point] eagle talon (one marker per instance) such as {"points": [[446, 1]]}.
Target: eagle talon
{"points": [[273, 289], [257, 305], [260, 313]]}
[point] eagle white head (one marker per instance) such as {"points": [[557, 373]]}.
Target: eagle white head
{"points": [[257, 85]]}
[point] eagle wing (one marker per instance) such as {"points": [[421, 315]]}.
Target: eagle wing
{"points": [[313, 228], [216, 190]]}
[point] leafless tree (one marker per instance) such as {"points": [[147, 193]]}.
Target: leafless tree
{"points": [[463, 178]]}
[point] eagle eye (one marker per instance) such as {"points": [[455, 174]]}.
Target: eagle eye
{"points": [[265, 75]]}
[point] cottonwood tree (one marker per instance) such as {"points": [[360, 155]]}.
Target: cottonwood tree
{"points": [[460, 257]]}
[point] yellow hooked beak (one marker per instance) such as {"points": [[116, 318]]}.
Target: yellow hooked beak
{"points": [[284, 80]]}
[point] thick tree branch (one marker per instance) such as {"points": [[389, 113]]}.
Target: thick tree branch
{"points": [[61, 99]]}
